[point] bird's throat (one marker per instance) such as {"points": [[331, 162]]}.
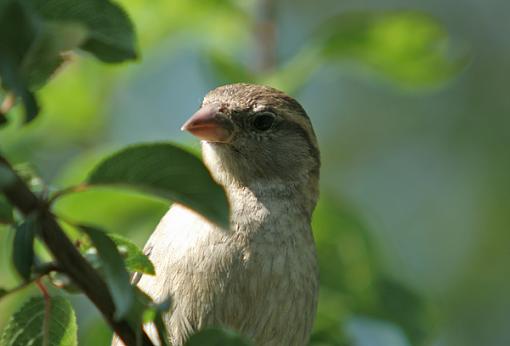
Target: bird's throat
{"points": [[268, 205]]}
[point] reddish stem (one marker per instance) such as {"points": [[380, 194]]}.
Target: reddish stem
{"points": [[47, 311]]}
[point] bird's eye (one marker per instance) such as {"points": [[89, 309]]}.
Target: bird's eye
{"points": [[263, 121]]}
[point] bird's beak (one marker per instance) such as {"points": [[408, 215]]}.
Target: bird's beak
{"points": [[210, 125]]}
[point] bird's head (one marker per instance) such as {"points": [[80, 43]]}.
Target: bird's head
{"points": [[256, 135]]}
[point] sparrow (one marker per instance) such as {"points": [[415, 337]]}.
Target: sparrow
{"points": [[260, 277]]}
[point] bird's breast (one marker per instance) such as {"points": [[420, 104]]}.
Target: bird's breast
{"points": [[255, 278]]}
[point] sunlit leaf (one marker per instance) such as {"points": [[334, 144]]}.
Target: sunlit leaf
{"points": [[28, 326], [411, 48], [134, 258], [23, 247], [166, 171], [111, 36], [116, 275], [217, 337]]}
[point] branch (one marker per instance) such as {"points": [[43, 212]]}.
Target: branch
{"points": [[69, 260], [265, 35]]}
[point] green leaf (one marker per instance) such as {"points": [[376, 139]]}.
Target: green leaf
{"points": [[14, 44], [411, 48], [154, 313], [166, 171], [111, 37], [116, 275], [28, 327], [45, 54], [134, 258], [217, 337], [6, 215], [23, 247]]}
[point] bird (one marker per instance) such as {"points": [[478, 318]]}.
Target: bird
{"points": [[260, 277]]}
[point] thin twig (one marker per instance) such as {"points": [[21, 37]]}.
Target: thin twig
{"points": [[71, 189], [41, 272]]}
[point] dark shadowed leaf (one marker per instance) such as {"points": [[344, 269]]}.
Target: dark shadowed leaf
{"points": [[23, 247], [30, 54], [45, 55], [111, 36], [217, 337], [411, 48], [14, 45], [26, 326], [5, 211], [116, 275], [166, 171]]}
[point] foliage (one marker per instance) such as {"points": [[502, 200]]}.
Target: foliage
{"points": [[116, 275], [168, 172], [408, 48], [28, 58], [134, 258], [31, 54], [23, 247], [41, 322]]}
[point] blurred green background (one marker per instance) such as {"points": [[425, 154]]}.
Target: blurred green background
{"points": [[410, 103]]}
